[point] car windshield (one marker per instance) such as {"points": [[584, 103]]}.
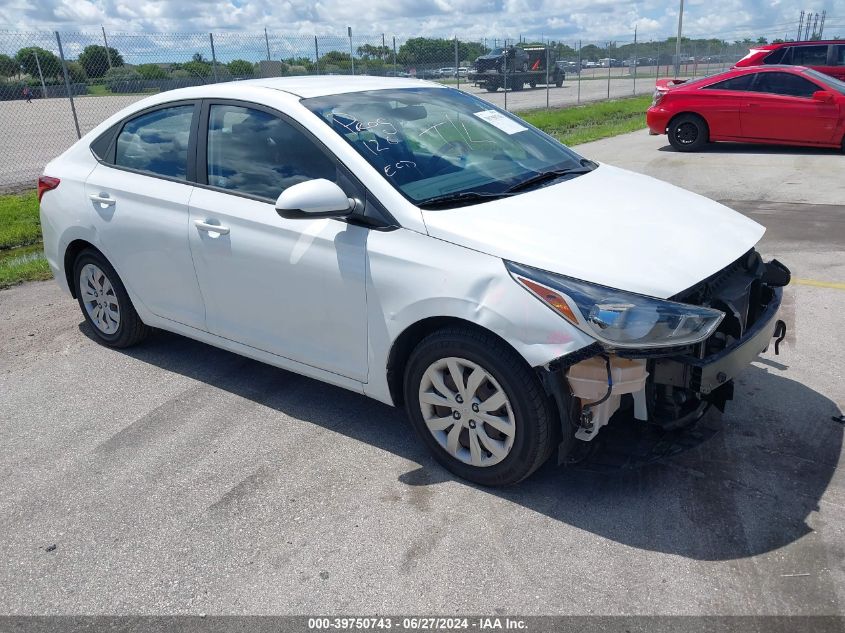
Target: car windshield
{"points": [[831, 82], [436, 143], [497, 51]]}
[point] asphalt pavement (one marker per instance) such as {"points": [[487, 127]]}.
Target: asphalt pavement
{"points": [[177, 478]]}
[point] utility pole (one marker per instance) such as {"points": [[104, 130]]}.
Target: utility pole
{"points": [[351, 56], [821, 26], [815, 33], [678, 43], [108, 54], [800, 25], [807, 28]]}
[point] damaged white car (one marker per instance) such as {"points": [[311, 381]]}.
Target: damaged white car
{"points": [[418, 245]]}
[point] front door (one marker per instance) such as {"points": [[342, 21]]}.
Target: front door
{"points": [[781, 107], [294, 288]]}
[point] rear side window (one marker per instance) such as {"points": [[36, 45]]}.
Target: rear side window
{"points": [[776, 56], [743, 82], [809, 55], [840, 55], [785, 84], [260, 154], [157, 142]]}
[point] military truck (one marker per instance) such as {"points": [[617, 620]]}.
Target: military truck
{"points": [[513, 67]]}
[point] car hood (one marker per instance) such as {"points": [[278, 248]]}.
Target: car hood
{"points": [[611, 227]]}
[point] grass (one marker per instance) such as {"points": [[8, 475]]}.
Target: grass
{"points": [[21, 258], [19, 224], [593, 121]]}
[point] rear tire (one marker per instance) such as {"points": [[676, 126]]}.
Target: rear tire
{"points": [[492, 446], [688, 133], [105, 303]]}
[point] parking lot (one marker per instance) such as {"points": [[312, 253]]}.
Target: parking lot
{"points": [[175, 477], [37, 132]]}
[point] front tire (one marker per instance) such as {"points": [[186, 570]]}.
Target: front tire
{"points": [[105, 303], [688, 133], [478, 407]]}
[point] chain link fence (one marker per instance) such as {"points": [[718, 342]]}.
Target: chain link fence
{"points": [[57, 86]]}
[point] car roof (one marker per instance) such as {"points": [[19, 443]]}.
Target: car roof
{"points": [[321, 85], [772, 47]]}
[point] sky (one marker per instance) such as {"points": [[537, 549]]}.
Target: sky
{"points": [[468, 19]]}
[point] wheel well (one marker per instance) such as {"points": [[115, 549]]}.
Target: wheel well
{"points": [[405, 343], [72, 251], [696, 115]]}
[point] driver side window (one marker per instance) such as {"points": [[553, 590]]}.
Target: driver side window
{"points": [[258, 153]]}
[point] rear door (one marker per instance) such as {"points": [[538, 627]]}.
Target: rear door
{"points": [[816, 56], [838, 67], [139, 192], [780, 107]]}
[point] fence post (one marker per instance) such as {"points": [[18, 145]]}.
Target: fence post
{"points": [[351, 55], [548, 58], [106, 42], [609, 65], [40, 75], [316, 55], [636, 60], [457, 63], [213, 57], [505, 68], [67, 85], [267, 43], [394, 55], [580, 70], [657, 75]]}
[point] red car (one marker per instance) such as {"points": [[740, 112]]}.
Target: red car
{"points": [[779, 105], [825, 56]]}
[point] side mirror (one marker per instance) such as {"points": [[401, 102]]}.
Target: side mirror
{"points": [[318, 198], [823, 96]]}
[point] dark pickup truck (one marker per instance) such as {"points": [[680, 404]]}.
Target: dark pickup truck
{"points": [[512, 67]]}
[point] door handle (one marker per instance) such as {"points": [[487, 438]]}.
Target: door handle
{"points": [[102, 198], [211, 228]]}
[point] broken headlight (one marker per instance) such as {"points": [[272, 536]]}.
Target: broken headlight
{"points": [[615, 317]]}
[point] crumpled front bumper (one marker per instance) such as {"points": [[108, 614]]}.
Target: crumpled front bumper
{"points": [[705, 375]]}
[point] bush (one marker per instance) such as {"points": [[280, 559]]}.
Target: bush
{"points": [[240, 68], [116, 76], [151, 71]]}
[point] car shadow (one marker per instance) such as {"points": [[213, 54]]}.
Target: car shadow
{"points": [[757, 148], [748, 490]]}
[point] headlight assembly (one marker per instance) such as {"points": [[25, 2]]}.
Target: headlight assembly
{"points": [[617, 318]]}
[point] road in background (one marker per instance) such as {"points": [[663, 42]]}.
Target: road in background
{"points": [[175, 477]]}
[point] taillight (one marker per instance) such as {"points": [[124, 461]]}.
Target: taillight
{"points": [[45, 184], [656, 98]]}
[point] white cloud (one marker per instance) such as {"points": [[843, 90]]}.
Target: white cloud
{"points": [[562, 19]]}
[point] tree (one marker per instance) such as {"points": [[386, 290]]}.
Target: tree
{"points": [[76, 73], [151, 71], [240, 68], [50, 64], [95, 60], [8, 66], [368, 51], [762, 40], [198, 68]]}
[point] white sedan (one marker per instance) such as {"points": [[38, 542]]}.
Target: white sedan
{"points": [[416, 244]]}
